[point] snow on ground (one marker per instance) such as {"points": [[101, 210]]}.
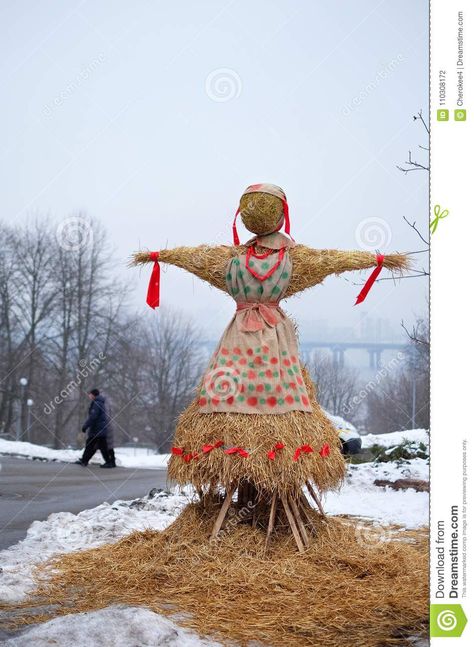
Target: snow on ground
{"points": [[141, 458], [396, 438], [339, 422], [64, 532], [116, 626], [125, 456], [360, 497], [119, 626]]}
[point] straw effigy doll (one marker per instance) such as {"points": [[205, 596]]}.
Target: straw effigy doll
{"points": [[255, 427]]}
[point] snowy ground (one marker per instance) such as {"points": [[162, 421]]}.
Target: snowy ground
{"points": [[396, 438], [141, 458], [65, 532], [126, 456], [116, 626]]}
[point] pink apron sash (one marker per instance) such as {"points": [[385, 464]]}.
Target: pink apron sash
{"points": [[256, 315]]}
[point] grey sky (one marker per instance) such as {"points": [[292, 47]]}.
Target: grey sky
{"points": [[110, 107]]}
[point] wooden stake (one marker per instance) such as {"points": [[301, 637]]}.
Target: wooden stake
{"points": [[316, 498], [293, 525], [305, 509], [271, 520], [254, 514], [223, 510], [245, 493], [299, 520], [240, 495]]}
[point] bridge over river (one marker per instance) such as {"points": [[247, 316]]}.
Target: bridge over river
{"points": [[338, 349]]}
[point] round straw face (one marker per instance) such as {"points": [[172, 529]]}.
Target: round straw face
{"points": [[262, 213]]}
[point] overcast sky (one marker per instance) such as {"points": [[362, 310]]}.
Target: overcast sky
{"points": [[154, 116]]}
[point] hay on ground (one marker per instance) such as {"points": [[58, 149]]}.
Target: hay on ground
{"points": [[347, 589]]}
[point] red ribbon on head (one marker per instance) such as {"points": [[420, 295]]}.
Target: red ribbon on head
{"points": [[286, 213], [370, 281], [177, 451], [153, 294], [234, 228]]}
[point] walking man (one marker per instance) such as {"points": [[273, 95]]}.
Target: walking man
{"points": [[96, 425]]}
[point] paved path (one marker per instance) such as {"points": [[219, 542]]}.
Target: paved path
{"points": [[32, 489]]}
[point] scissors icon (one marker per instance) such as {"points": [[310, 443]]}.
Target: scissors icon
{"points": [[438, 215]]}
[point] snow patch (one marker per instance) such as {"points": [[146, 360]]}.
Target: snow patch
{"points": [[64, 532], [116, 626], [125, 456], [361, 498], [396, 438]]}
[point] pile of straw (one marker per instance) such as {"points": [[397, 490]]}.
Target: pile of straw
{"points": [[340, 592]]}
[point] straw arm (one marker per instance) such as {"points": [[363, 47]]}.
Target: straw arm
{"points": [[312, 266], [206, 262]]}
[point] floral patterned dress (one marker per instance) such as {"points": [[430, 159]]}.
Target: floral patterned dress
{"points": [[255, 368]]}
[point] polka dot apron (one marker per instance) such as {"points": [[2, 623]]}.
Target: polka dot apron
{"points": [[256, 367]]}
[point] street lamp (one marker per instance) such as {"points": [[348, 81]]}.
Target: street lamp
{"points": [[29, 404], [23, 384]]}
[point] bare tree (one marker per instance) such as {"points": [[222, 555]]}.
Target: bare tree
{"points": [[336, 385], [401, 400], [175, 364]]}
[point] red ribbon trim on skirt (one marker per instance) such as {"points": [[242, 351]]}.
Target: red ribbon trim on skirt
{"points": [[370, 281], [272, 453], [208, 448], [153, 294], [236, 450], [306, 449], [325, 450]]}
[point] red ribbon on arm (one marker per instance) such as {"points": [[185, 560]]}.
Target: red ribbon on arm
{"points": [[370, 281], [153, 294]]}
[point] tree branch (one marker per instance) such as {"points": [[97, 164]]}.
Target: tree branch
{"points": [[412, 225]]}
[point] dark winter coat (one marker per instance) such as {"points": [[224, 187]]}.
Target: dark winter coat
{"points": [[98, 420], [110, 426]]}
